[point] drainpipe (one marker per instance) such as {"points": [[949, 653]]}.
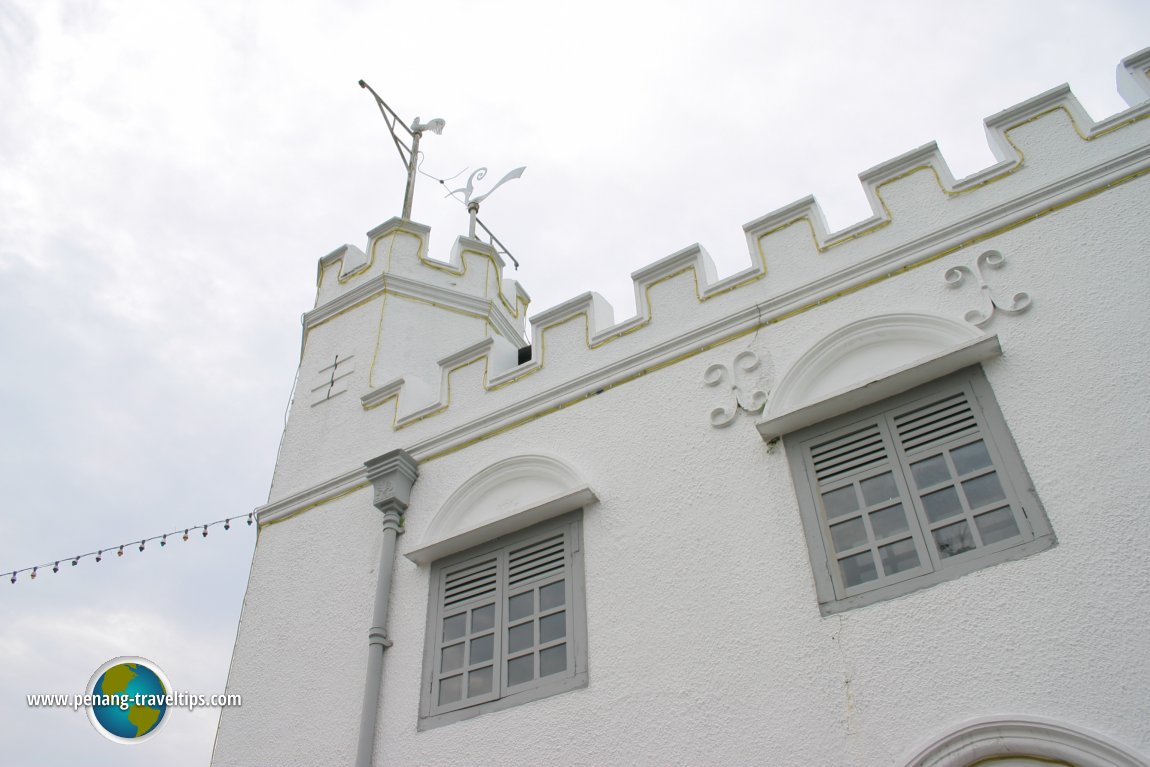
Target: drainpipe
{"points": [[391, 475]]}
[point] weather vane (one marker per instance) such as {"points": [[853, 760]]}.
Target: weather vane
{"points": [[472, 203], [409, 154]]}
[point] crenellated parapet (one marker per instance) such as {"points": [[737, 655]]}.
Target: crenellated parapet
{"points": [[1134, 77], [472, 279], [447, 371]]}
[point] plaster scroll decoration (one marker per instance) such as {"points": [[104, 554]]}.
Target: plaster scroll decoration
{"points": [[332, 379], [993, 259], [749, 397]]}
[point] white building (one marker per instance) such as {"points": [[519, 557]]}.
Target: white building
{"points": [[878, 499]]}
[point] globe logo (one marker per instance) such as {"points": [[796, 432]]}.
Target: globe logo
{"points": [[129, 697]]}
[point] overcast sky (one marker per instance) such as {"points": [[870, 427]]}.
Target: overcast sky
{"points": [[171, 171]]}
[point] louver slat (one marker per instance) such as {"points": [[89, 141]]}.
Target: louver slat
{"points": [[470, 583], [537, 561], [935, 423], [852, 444], [857, 451]]}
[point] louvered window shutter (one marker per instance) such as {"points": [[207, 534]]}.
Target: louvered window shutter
{"points": [[954, 467], [870, 535], [465, 662], [913, 489], [504, 622], [538, 623]]}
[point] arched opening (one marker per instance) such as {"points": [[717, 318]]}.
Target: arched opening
{"points": [[1023, 742]]}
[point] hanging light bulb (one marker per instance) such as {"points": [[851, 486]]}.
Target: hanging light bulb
{"points": [[205, 531], [142, 545], [13, 576], [99, 555], [250, 518], [56, 567], [76, 561], [34, 569], [120, 553], [227, 524], [164, 540], [185, 535]]}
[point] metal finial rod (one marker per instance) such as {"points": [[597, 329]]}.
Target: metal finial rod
{"points": [[409, 191], [473, 210]]}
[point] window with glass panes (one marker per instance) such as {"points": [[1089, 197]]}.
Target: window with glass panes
{"points": [[506, 622], [914, 490]]}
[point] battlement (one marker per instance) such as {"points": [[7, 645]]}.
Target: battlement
{"points": [[396, 258], [1050, 154]]}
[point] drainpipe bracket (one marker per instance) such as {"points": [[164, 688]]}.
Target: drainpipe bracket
{"points": [[378, 636]]}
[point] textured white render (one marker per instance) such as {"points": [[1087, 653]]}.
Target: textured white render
{"points": [[705, 640]]}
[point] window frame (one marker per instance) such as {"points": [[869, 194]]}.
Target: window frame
{"points": [[1034, 528], [432, 714]]}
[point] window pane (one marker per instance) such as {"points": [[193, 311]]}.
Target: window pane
{"points": [[482, 649], [983, 490], [551, 595], [941, 504], [887, 522], [520, 606], [482, 618], [898, 556], [452, 658], [841, 501], [847, 535], [454, 627], [930, 472], [520, 670], [521, 637], [970, 457], [997, 525], [450, 689], [879, 489], [953, 539], [858, 569], [553, 660], [552, 627], [479, 682]]}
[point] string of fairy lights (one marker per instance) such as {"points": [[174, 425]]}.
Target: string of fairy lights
{"points": [[118, 550]]}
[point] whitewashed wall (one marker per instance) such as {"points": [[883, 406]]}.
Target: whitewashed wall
{"points": [[706, 644]]}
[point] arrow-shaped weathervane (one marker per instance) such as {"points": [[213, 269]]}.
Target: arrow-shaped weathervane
{"points": [[472, 202]]}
